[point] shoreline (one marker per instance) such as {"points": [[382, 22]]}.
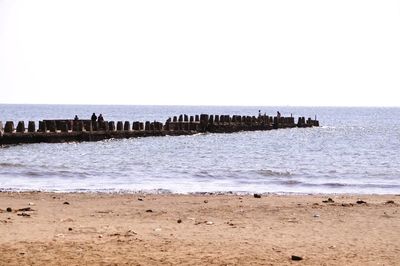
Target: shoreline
{"points": [[169, 229], [200, 193]]}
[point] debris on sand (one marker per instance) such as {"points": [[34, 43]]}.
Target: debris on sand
{"points": [[28, 209], [329, 200], [294, 257]]}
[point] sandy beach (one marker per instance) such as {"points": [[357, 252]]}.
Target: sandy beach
{"points": [[133, 229]]}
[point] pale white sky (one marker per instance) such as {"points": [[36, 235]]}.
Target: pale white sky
{"points": [[212, 52]]}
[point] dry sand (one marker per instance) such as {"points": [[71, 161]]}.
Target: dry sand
{"points": [[133, 229]]}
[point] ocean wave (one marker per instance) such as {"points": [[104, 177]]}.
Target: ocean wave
{"points": [[204, 173], [57, 174], [12, 165], [267, 172], [350, 185]]}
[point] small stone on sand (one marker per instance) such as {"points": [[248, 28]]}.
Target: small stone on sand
{"points": [[329, 200], [294, 257]]}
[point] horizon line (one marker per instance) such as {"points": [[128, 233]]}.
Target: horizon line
{"points": [[212, 105]]}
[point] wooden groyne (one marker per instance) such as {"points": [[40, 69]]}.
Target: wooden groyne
{"points": [[68, 130]]}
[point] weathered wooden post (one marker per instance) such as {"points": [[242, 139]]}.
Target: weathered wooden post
{"points": [[147, 126], [216, 119], [168, 122], [88, 125], [100, 125], [120, 126], [111, 126], [191, 119], [106, 126], [95, 126], [53, 126], [167, 125], [175, 119], [204, 122], [301, 122], [222, 119], [1, 129], [31, 126], [75, 126], [211, 120], [197, 118], [229, 118], [276, 122], [9, 127], [135, 126], [80, 126], [248, 120], [42, 127], [172, 126], [127, 126], [64, 126], [21, 127], [180, 119], [186, 118], [141, 126]]}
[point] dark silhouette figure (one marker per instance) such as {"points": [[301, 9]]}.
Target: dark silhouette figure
{"points": [[76, 118], [278, 114], [101, 119], [94, 117]]}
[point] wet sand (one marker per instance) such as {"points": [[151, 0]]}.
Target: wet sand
{"points": [[134, 229]]}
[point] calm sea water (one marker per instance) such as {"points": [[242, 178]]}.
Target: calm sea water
{"points": [[356, 150]]}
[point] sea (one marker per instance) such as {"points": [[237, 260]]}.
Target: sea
{"points": [[355, 150]]}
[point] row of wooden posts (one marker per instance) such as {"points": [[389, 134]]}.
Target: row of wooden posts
{"points": [[183, 123]]}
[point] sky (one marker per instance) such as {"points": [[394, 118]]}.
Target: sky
{"points": [[204, 52]]}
